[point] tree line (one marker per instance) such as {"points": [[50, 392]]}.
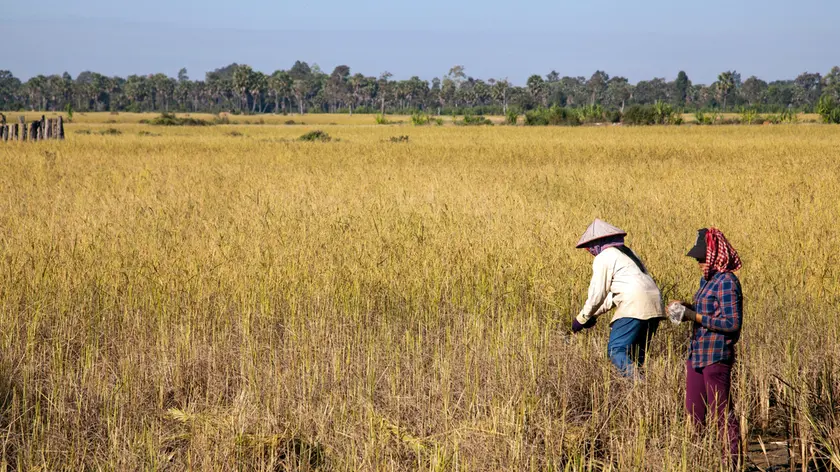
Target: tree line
{"points": [[238, 88]]}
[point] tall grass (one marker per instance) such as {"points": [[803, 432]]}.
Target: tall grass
{"points": [[190, 301]]}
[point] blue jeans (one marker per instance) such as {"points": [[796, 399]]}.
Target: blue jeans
{"points": [[629, 339]]}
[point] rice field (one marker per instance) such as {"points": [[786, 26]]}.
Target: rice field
{"points": [[230, 298]]}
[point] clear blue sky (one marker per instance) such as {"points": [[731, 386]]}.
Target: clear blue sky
{"points": [[773, 39]]}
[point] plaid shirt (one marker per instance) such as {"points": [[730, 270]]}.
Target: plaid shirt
{"points": [[720, 303]]}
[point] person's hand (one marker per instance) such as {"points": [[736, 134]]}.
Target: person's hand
{"points": [[679, 313], [577, 327]]}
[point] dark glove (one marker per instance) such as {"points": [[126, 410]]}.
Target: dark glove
{"points": [[577, 327]]}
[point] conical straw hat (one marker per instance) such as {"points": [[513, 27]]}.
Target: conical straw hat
{"points": [[597, 230]]}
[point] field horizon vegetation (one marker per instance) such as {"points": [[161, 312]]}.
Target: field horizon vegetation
{"points": [[398, 297]]}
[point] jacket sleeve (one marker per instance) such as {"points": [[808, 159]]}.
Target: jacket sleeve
{"points": [[730, 304], [599, 300]]}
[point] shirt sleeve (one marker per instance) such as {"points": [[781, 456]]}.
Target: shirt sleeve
{"points": [[599, 289], [730, 305]]}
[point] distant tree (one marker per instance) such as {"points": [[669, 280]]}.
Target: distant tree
{"points": [[754, 91], [336, 88], [243, 78], [258, 83], [808, 89], [9, 88], [383, 89], [300, 89], [499, 91], [300, 71], [280, 87], [832, 83], [458, 75], [574, 90], [552, 77], [619, 91], [648, 92], [597, 86], [725, 84], [182, 75], [163, 89], [681, 88], [780, 93], [537, 89]]}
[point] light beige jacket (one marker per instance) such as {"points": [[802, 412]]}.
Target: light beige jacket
{"points": [[618, 282]]}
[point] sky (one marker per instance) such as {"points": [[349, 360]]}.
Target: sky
{"points": [[772, 39]]}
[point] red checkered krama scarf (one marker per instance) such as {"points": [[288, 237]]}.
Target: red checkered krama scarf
{"points": [[720, 255]]}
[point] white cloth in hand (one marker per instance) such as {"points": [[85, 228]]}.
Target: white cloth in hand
{"points": [[676, 313]]}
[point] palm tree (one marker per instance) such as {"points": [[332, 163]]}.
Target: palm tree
{"points": [[258, 83], [242, 80], [725, 84], [536, 87], [500, 92]]}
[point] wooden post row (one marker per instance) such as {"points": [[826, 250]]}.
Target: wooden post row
{"points": [[45, 128]]}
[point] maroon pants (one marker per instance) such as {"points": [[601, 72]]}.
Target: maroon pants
{"points": [[707, 393]]}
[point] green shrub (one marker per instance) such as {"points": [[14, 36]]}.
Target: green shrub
{"points": [[789, 116], [749, 116], [639, 115], [554, 116], [470, 120], [110, 132], [169, 119], [420, 119], [828, 110], [316, 136], [663, 113], [381, 119], [591, 114], [511, 118], [439, 121]]}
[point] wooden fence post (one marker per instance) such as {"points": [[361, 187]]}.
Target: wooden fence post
{"points": [[42, 128], [60, 127], [22, 128]]}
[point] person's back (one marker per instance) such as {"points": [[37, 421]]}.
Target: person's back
{"points": [[620, 280], [627, 285]]}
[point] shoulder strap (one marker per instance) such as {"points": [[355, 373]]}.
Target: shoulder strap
{"points": [[627, 252]]}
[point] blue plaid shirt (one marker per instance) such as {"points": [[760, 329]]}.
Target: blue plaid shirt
{"points": [[721, 305]]}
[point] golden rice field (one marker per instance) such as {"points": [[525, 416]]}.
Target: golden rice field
{"points": [[228, 298]]}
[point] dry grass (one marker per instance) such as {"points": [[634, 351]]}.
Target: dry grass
{"points": [[192, 300]]}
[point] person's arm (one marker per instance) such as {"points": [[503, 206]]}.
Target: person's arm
{"points": [[729, 302], [599, 288], [606, 306]]}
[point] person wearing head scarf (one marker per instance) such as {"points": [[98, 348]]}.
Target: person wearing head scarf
{"points": [[716, 314], [621, 281]]}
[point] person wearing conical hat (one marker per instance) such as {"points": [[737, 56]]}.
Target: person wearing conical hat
{"points": [[621, 281]]}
